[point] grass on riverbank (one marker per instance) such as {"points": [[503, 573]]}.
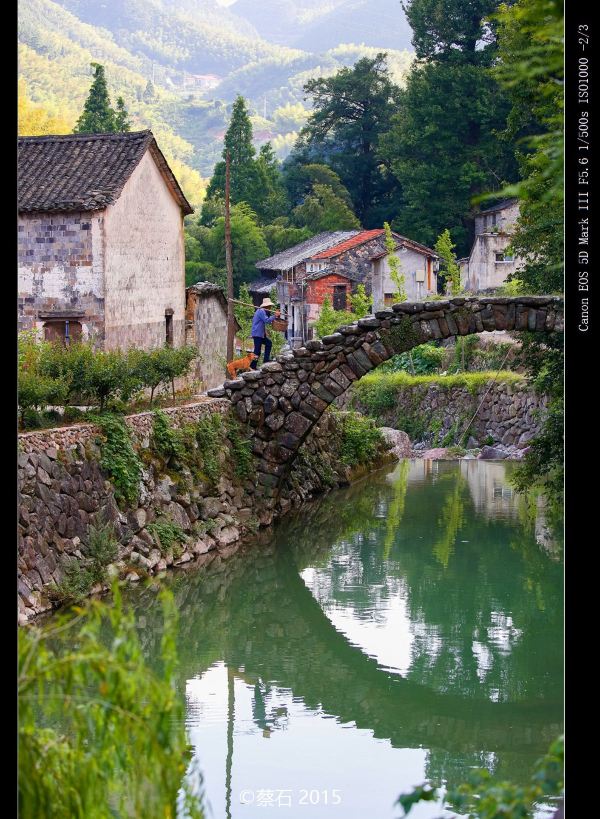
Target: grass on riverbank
{"points": [[378, 392]]}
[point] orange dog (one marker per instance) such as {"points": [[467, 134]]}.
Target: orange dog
{"points": [[240, 364]]}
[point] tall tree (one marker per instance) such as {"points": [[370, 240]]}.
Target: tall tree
{"points": [[121, 116], [98, 115], [350, 111], [443, 146], [447, 30], [244, 173], [530, 67]]}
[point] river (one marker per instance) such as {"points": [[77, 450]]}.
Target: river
{"points": [[409, 626]]}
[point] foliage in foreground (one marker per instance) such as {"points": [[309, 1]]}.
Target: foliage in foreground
{"points": [[482, 798], [100, 734]]}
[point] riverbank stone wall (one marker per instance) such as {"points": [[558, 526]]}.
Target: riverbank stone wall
{"points": [[63, 492]]}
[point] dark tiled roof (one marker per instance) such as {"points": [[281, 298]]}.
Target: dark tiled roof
{"points": [[262, 285], [408, 243], [331, 271], [504, 203], [298, 253], [80, 172]]}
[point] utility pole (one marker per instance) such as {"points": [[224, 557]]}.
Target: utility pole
{"points": [[228, 264]]}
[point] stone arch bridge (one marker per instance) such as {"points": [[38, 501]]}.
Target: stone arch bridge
{"points": [[283, 400]]}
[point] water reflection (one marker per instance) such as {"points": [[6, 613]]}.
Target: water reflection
{"points": [[408, 626]]}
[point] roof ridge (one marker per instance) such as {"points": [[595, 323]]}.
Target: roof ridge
{"points": [[87, 136]]}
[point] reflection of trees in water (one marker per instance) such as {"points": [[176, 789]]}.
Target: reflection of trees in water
{"points": [[480, 633], [477, 608], [451, 519]]}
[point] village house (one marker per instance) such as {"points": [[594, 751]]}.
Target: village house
{"points": [[364, 259], [332, 265], [100, 240], [490, 262], [286, 271]]}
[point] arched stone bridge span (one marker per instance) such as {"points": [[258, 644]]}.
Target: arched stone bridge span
{"points": [[283, 400]]}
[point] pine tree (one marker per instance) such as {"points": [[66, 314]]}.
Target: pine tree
{"points": [[98, 116], [244, 172], [122, 123], [149, 92]]}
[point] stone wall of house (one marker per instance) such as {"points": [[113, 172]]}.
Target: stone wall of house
{"points": [[144, 262], [510, 414], [60, 270], [503, 219], [206, 329], [357, 261], [63, 492]]}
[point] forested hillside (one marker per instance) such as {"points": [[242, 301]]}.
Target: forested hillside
{"points": [[180, 65]]}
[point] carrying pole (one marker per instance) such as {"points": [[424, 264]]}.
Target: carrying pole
{"points": [[228, 264]]}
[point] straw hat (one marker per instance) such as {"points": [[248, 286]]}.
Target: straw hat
{"points": [[267, 303]]}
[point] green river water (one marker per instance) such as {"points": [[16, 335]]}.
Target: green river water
{"points": [[408, 626]]}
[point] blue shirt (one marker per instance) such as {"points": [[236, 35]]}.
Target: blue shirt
{"points": [[261, 318]]}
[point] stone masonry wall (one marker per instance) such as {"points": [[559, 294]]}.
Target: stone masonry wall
{"points": [[511, 413], [206, 329], [63, 491], [60, 267]]}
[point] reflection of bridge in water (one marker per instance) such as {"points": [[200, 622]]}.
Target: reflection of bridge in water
{"points": [[255, 613]]}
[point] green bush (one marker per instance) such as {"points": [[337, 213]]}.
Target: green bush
{"points": [[166, 441], [480, 797], [361, 440], [209, 438], [35, 392], [119, 459], [330, 320], [79, 578], [241, 449], [421, 360]]}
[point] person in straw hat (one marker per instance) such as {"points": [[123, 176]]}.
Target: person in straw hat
{"points": [[262, 317]]}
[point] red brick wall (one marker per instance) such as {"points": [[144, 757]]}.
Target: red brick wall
{"points": [[318, 289]]}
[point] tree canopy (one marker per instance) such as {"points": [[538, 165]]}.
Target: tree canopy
{"points": [[98, 115], [351, 109]]}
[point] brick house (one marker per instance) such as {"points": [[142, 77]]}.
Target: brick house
{"points": [[490, 261], [364, 259], [333, 264], [100, 240]]}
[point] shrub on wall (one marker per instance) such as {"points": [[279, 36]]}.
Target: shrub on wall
{"points": [[119, 459], [79, 374]]}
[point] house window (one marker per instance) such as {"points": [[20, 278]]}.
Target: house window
{"points": [[504, 257], [389, 298], [169, 328], [339, 297], [62, 330]]}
